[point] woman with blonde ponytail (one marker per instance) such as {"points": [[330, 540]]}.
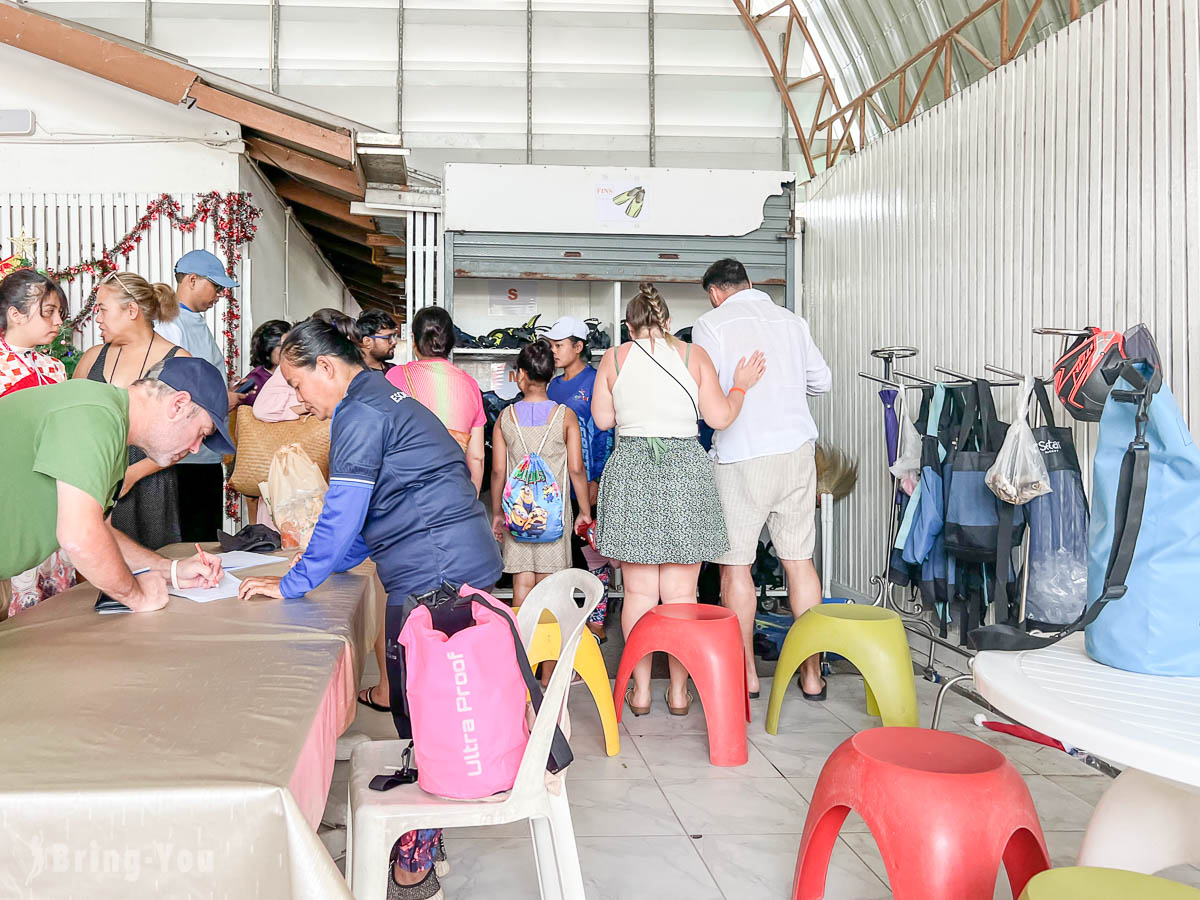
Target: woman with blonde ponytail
{"points": [[659, 513], [127, 308]]}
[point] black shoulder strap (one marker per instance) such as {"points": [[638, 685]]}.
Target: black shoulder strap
{"points": [[1127, 522], [1043, 399], [560, 750], [673, 378]]}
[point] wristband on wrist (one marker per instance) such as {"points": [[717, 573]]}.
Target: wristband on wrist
{"points": [[743, 390], [175, 574]]}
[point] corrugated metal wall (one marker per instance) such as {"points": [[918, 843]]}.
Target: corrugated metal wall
{"points": [[1062, 190]]}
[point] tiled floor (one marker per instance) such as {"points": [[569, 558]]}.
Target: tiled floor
{"points": [[657, 821]]}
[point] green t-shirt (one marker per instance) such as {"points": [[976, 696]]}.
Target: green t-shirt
{"points": [[75, 432]]}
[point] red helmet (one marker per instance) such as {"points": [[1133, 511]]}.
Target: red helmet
{"points": [[1079, 373]]}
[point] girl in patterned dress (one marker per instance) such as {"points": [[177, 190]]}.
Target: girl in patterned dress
{"points": [[32, 307]]}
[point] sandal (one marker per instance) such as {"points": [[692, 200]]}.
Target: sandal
{"points": [[819, 695], [636, 710], [678, 710], [364, 697]]}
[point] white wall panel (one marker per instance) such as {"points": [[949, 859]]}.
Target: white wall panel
{"points": [[1062, 190]]}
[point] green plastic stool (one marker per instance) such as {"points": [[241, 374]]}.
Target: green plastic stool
{"points": [[870, 637], [1088, 883]]}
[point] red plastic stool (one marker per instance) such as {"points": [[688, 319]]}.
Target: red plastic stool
{"points": [[707, 640], [945, 810]]}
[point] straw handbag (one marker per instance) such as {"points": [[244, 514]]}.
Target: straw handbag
{"points": [[257, 442]]}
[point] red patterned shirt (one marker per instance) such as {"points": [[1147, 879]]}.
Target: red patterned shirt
{"points": [[22, 368]]}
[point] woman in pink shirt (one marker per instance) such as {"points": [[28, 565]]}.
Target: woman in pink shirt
{"points": [[449, 392]]}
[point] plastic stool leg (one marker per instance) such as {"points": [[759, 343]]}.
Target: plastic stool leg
{"points": [[891, 688], [1024, 857], [723, 695], [797, 647], [872, 703], [589, 663], [1143, 823], [816, 849]]}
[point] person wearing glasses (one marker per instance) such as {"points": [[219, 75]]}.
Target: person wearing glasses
{"points": [[127, 309], [379, 336], [199, 280]]}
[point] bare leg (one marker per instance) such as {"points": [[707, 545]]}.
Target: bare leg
{"points": [[804, 592], [737, 594], [677, 584], [641, 595], [523, 583]]}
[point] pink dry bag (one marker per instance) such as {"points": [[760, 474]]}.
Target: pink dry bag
{"points": [[466, 699]]}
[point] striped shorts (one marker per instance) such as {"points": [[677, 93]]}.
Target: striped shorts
{"points": [[779, 491]]}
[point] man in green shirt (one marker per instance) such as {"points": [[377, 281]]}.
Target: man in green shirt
{"points": [[65, 454]]}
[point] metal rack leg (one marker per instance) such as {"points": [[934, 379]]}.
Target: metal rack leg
{"points": [[937, 706]]}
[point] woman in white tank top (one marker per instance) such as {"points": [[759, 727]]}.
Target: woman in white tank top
{"points": [[658, 510]]}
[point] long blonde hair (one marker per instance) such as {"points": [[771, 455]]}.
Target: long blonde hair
{"points": [[157, 302], [647, 311]]}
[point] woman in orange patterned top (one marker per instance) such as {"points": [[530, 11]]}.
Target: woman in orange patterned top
{"points": [[32, 307]]}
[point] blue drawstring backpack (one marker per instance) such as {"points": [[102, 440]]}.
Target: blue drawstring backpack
{"points": [[532, 499], [1143, 612]]}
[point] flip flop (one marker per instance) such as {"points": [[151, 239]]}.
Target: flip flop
{"points": [[678, 710], [636, 710], [817, 697], [364, 697]]}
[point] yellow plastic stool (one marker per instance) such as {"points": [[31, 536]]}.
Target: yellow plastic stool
{"points": [[870, 637], [1089, 883], [589, 663]]}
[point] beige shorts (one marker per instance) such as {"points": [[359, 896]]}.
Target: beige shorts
{"points": [[778, 491]]}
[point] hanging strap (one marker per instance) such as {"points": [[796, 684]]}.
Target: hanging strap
{"points": [[560, 750], [546, 434], [1127, 522], [1043, 399], [517, 425]]}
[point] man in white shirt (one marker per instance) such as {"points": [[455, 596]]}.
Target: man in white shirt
{"points": [[199, 279], [764, 461]]}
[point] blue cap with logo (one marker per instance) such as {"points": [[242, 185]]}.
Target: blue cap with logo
{"points": [[206, 265], [204, 382]]}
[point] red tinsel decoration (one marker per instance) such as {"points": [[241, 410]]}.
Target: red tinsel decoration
{"points": [[234, 216]]}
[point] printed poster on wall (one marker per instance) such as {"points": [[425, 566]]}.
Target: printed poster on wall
{"points": [[512, 299], [623, 202]]}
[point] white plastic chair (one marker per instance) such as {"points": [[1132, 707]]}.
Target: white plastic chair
{"points": [[377, 819]]}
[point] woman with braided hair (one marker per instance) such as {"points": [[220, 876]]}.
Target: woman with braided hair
{"points": [[659, 513]]}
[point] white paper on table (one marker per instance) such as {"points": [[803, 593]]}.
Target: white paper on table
{"points": [[243, 559], [228, 587]]}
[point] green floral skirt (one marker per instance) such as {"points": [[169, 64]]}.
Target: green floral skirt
{"points": [[658, 504]]}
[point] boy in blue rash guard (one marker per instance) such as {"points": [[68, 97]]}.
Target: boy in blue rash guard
{"points": [[399, 491], [573, 389]]}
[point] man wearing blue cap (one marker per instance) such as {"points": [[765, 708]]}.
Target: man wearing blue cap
{"points": [[199, 279], [66, 451]]}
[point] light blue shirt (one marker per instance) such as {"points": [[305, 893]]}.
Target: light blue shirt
{"points": [[191, 332]]}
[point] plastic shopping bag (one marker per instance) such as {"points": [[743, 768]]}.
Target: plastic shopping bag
{"points": [[1019, 472], [296, 495], [907, 467]]}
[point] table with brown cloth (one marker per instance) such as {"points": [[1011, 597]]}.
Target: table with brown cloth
{"points": [[181, 753]]}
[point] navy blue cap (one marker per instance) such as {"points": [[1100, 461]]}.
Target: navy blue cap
{"points": [[204, 382], [206, 265]]}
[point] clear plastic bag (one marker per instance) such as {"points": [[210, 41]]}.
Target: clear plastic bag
{"points": [[907, 467], [297, 495], [1019, 472]]}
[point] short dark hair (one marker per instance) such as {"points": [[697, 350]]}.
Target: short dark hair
{"points": [[19, 290], [323, 334], [374, 321], [725, 273], [433, 332], [266, 338], [536, 360]]}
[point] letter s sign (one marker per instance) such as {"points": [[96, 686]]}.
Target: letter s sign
{"points": [[512, 294]]}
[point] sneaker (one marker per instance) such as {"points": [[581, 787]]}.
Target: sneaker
{"points": [[428, 888], [441, 865]]}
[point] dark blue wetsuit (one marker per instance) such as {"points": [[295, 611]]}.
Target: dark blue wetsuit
{"points": [[400, 492]]}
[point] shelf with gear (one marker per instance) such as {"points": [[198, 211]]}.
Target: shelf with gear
{"points": [[526, 245]]}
